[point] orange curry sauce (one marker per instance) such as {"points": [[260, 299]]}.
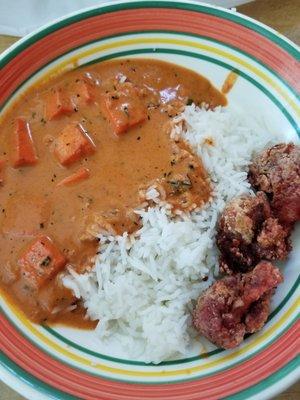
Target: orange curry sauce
{"points": [[76, 153]]}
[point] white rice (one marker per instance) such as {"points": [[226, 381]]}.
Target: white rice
{"points": [[142, 286]]}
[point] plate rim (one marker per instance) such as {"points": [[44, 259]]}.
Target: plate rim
{"points": [[8, 376]]}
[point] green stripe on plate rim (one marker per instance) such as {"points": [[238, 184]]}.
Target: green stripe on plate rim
{"points": [[157, 50], [206, 58], [119, 379], [266, 383], [33, 382], [183, 380], [56, 394], [225, 14], [179, 52], [209, 39], [164, 363], [111, 8]]}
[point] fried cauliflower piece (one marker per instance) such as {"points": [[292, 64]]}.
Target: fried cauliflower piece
{"points": [[236, 305], [276, 171], [248, 232]]}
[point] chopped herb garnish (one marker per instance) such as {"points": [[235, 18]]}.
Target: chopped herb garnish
{"points": [[125, 109], [46, 261], [180, 186]]}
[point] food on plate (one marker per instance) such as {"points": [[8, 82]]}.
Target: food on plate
{"points": [[236, 305], [143, 284], [248, 232], [57, 103], [76, 153], [80, 174], [125, 106], [276, 171], [23, 151], [40, 262], [72, 144], [187, 186], [112, 222], [2, 171], [113, 178]]}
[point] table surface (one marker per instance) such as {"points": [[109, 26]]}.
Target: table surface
{"points": [[282, 15]]}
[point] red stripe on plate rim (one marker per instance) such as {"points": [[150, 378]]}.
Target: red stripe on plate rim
{"points": [[79, 383], [43, 51], [94, 28]]}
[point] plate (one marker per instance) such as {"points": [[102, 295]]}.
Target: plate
{"points": [[43, 362]]}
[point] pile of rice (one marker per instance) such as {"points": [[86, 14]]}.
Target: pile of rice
{"points": [[143, 285]]}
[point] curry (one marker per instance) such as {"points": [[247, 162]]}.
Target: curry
{"points": [[77, 154]]}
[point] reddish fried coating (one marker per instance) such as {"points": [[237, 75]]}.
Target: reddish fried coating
{"points": [[258, 313], [276, 171], [247, 233], [236, 305]]}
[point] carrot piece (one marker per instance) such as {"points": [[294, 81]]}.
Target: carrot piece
{"points": [[84, 92], [41, 261], [24, 151], [72, 144], [57, 104], [2, 167], [124, 108], [81, 174]]}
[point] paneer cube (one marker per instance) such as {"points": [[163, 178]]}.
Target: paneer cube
{"points": [[83, 92], [23, 150], [57, 103], [72, 144], [41, 261], [124, 107]]}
